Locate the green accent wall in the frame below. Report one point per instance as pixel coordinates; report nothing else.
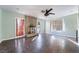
(8, 24)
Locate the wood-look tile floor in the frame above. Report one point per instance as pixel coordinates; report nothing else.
(43, 43)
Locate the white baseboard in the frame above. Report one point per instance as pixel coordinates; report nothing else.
(66, 35)
(1, 41)
(69, 36)
(11, 38)
(73, 42)
(36, 37)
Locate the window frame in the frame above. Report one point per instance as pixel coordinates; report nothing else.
(63, 26)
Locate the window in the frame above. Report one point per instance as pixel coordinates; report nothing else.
(56, 25)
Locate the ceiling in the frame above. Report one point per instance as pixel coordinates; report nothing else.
(35, 10)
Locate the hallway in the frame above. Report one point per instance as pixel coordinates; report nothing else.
(43, 43)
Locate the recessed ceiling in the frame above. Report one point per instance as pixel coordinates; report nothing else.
(35, 10)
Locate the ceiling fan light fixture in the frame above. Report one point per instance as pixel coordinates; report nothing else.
(47, 12)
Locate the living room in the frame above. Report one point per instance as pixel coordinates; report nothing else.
(19, 21)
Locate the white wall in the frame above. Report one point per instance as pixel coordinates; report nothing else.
(44, 26)
(70, 22)
(8, 24)
(78, 24)
(41, 27)
(47, 26)
(0, 24)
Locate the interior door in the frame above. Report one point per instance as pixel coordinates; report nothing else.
(20, 27)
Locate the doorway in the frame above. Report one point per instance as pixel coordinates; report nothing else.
(20, 31)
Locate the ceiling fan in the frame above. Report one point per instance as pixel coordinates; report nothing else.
(47, 12)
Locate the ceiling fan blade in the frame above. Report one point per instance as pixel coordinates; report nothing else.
(52, 13)
(50, 9)
(47, 12)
